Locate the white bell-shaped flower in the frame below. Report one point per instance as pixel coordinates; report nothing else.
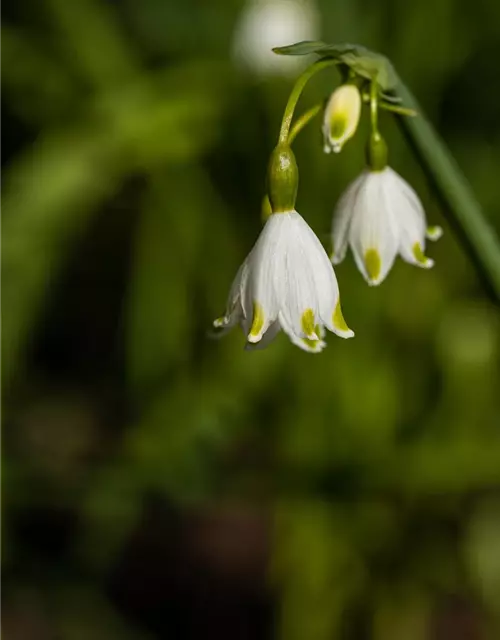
(379, 216)
(287, 281)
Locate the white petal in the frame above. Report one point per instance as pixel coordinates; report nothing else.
(411, 202)
(373, 233)
(325, 284)
(260, 302)
(410, 216)
(234, 305)
(267, 338)
(342, 217)
(312, 346)
(294, 277)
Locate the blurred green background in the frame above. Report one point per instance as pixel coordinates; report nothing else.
(158, 484)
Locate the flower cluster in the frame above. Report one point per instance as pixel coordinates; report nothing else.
(287, 280)
(379, 215)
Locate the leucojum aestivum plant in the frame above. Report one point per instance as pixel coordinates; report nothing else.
(287, 281)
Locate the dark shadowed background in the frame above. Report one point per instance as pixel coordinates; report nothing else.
(159, 484)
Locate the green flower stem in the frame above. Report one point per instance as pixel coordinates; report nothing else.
(295, 95)
(374, 109)
(465, 212)
(304, 120)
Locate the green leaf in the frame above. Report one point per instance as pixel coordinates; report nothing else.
(300, 48)
(53, 189)
(365, 63)
(476, 231)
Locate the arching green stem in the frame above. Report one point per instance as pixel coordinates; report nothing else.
(304, 120)
(461, 205)
(295, 95)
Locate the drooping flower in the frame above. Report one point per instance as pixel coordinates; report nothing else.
(286, 282)
(341, 117)
(380, 216)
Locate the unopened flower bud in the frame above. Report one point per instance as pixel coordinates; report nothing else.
(341, 117)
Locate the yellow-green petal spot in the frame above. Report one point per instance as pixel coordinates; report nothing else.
(312, 344)
(419, 254)
(308, 322)
(258, 320)
(434, 233)
(338, 126)
(338, 319)
(373, 263)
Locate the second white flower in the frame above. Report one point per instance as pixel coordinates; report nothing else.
(381, 216)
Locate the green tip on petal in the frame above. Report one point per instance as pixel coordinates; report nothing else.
(313, 344)
(338, 127)
(373, 265)
(434, 233)
(339, 323)
(420, 257)
(257, 323)
(307, 322)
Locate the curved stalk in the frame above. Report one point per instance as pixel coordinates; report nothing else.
(303, 121)
(295, 95)
(464, 211)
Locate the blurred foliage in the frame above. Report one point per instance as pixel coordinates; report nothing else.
(161, 484)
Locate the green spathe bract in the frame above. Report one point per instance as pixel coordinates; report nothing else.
(363, 62)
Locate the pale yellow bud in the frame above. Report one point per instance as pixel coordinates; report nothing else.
(341, 117)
